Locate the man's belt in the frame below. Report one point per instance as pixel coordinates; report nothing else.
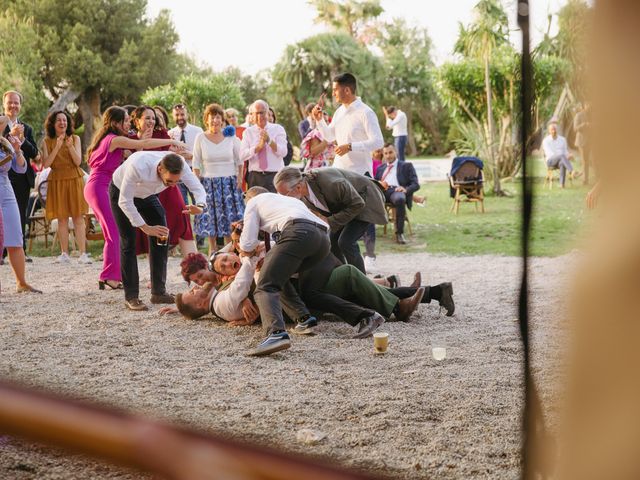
(276, 235)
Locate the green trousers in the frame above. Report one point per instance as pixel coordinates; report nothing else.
(349, 283)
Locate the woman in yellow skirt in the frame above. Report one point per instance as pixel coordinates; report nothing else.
(65, 198)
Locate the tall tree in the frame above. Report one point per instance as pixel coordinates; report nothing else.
(406, 55)
(20, 61)
(488, 31)
(352, 17)
(98, 52)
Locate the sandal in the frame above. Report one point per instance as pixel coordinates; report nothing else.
(106, 283)
(27, 289)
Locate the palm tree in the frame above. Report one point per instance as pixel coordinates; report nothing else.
(348, 16)
(487, 32)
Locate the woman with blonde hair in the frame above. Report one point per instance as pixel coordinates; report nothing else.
(216, 161)
(12, 158)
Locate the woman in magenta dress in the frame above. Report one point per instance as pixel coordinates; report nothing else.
(146, 124)
(105, 155)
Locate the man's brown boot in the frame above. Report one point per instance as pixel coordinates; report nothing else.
(164, 298)
(408, 305)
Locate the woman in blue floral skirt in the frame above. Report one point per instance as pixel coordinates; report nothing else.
(216, 161)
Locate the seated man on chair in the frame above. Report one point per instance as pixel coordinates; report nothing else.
(400, 181)
(556, 153)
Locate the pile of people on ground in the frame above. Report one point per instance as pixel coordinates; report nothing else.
(296, 230)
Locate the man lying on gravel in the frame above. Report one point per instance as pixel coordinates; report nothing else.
(346, 292)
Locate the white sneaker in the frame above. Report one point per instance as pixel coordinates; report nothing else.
(63, 258)
(84, 258)
(370, 264)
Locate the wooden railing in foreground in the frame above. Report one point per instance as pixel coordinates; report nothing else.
(172, 452)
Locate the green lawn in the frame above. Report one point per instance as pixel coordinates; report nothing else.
(559, 216)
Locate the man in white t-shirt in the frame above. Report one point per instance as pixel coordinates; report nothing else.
(186, 133)
(556, 153)
(397, 123)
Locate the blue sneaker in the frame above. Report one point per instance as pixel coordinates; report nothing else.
(275, 342)
(306, 325)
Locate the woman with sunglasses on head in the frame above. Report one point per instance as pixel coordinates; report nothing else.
(105, 154)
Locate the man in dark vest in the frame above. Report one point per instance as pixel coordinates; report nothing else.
(22, 183)
(348, 201)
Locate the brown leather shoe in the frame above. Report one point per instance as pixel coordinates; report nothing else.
(136, 305)
(417, 280)
(408, 305)
(164, 298)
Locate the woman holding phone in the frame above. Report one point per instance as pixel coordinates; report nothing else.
(65, 198)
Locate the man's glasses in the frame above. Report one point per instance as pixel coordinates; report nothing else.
(178, 106)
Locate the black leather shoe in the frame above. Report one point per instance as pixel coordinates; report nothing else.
(400, 239)
(446, 301)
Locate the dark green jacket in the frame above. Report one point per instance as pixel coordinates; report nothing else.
(347, 195)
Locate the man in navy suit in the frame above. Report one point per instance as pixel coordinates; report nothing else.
(400, 181)
(22, 183)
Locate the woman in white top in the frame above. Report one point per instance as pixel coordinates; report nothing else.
(216, 161)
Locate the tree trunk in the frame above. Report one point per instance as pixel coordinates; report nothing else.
(491, 130)
(89, 106)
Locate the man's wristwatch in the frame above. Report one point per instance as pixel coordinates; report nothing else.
(201, 205)
(350, 147)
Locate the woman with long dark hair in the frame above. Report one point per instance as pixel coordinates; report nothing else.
(61, 151)
(146, 124)
(105, 155)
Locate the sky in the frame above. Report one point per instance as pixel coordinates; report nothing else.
(253, 34)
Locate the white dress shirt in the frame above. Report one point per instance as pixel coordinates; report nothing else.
(227, 304)
(358, 125)
(138, 177)
(216, 159)
(553, 147)
(271, 212)
(250, 139)
(392, 176)
(190, 134)
(398, 124)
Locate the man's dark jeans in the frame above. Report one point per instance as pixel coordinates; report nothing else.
(400, 144)
(153, 213)
(344, 243)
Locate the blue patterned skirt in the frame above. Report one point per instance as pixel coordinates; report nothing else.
(224, 205)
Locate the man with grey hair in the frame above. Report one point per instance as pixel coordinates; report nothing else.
(348, 201)
(264, 146)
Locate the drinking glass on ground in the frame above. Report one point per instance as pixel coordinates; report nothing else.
(438, 349)
(381, 342)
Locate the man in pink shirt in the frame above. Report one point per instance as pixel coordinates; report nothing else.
(264, 146)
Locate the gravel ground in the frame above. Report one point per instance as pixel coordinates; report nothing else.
(402, 414)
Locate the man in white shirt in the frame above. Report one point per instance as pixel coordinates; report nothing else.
(302, 241)
(557, 153)
(397, 123)
(186, 133)
(264, 146)
(354, 127)
(134, 200)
